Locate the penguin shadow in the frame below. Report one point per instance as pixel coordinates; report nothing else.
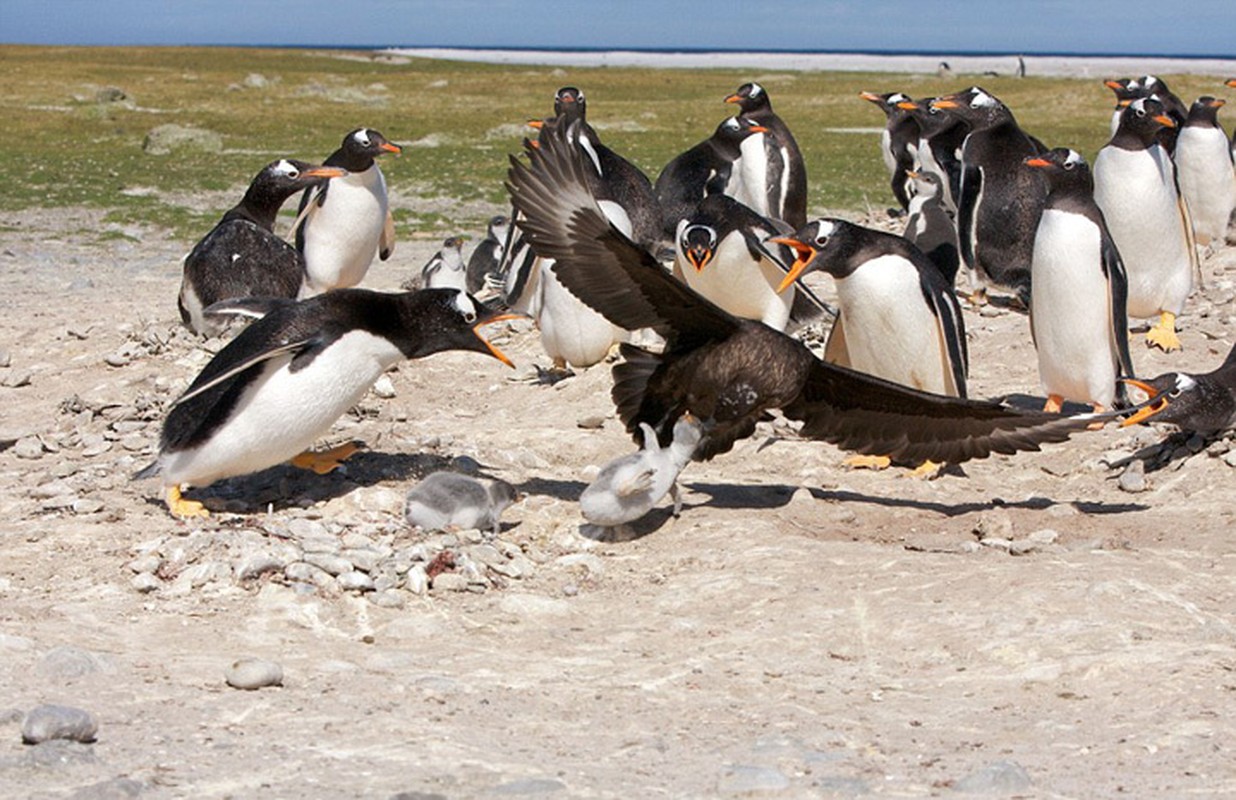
(650, 523)
(960, 509)
(1171, 449)
(742, 495)
(285, 486)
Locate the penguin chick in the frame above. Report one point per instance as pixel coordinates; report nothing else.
(449, 500)
(930, 226)
(242, 256)
(628, 487)
(485, 263)
(286, 378)
(446, 270)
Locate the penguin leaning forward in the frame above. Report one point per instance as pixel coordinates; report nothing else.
(1135, 186)
(700, 171)
(898, 319)
(282, 382)
(242, 256)
(1204, 403)
(342, 224)
(1077, 311)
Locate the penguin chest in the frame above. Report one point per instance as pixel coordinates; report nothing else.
(1207, 180)
(1070, 310)
(890, 330)
(886, 150)
(570, 330)
(283, 411)
(749, 178)
(342, 235)
(1137, 193)
(741, 285)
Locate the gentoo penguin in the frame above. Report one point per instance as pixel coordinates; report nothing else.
(898, 141)
(449, 500)
(722, 252)
(1204, 169)
(343, 223)
(283, 380)
(628, 487)
(1077, 310)
(1135, 186)
(781, 164)
(446, 269)
(939, 142)
(1129, 89)
(1203, 403)
(729, 371)
(930, 226)
(1231, 83)
(1000, 202)
(242, 256)
(703, 170)
(484, 265)
(613, 178)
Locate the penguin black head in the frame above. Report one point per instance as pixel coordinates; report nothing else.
(729, 135)
(278, 181)
(1062, 168)
(1172, 397)
(436, 320)
(823, 244)
(569, 103)
(890, 102)
(360, 147)
(975, 105)
(1204, 113)
(698, 243)
(931, 120)
(1126, 89)
(1143, 118)
(750, 97)
(497, 227)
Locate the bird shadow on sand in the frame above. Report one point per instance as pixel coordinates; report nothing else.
(1176, 446)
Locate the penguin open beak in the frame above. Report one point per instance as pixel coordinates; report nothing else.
(1217, 102)
(1154, 404)
(733, 98)
(1125, 103)
(806, 254)
(1165, 120)
(494, 351)
(699, 257)
(536, 123)
(758, 129)
(1114, 85)
(1230, 82)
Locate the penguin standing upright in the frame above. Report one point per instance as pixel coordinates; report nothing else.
(345, 222)
(286, 378)
(1077, 310)
(723, 253)
(1135, 186)
(1231, 84)
(939, 142)
(242, 256)
(1204, 168)
(1000, 202)
(446, 269)
(784, 173)
(485, 263)
(898, 141)
(930, 226)
(1129, 89)
(700, 171)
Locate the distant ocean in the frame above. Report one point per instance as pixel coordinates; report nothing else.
(1059, 64)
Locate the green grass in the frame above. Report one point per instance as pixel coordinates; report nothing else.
(64, 148)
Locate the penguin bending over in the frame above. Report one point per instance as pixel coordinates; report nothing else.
(345, 222)
(242, 256)
(1204, 168)
(289, 375)
(772, 170)
(1204, 403)
(1135, 186)
(703, 170)
(1077, 310)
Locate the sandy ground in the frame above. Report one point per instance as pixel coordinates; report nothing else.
(801, 631)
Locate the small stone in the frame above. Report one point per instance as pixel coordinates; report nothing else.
(466, 465)
(591, 423)
(58, 722)
(1044, 536)
(416, 581)
(145, 563)
(356, 581)
(114, 789)
(332, 564)
(116, 360)
(87, 505)
(145, 583)
(390, 598)
(383, 388)
(450, 582)
(45, 491)
(257, 565)
(1133, 479)
(362, 558)
(1230, 458)
(749, 780)
(94, 444)
(999, 778)
(253, 673)
(68, 662)
(997, 542)
(17, 378)
(994, 524)
(1218, 448)
(302, 572)
(1022, 547)
(28, 447)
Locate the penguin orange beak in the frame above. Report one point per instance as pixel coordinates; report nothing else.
(1165, 120)
(1154, 405)
(806, 254)
(912, 174)
(907, 105)
(870, 97)
(495, 352)
(699, 257)
(1113, 85)
(390, 148)
(733, 98)
(1217, 102)
(945, 102)
(1124, 103)
(1035, 161)
(1230, 82)
(324, 172)
(758, 129)
(536, 123)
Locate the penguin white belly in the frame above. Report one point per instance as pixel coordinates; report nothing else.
(731, 281)
(1207, 180)
(1070, 311)
(886, 150)
(927, 162)
(1138, 198)
(890, 329)
(283, 412)
(570, 330)
(627, 489)
(341, 237)
(748, 181)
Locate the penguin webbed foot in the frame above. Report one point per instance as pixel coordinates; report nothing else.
(326, 461)
(182, 508)
(867, 462)
(1163, 334)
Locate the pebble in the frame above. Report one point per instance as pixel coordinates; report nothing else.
(307, 573)
(994, 524)
(17, 378)
(87, 505)
(1230, 458)
(416, 581)
(450, 582)
(28, 447)
(998, 778)
(1133, 479)
(591, 423)
(998, 542)
(253, 673)
(49, 722)
(68, 662)
(93, 444)
(145, 563)
(334, 565)
(114, 789)
(384, 388)
(50, 489)
(1022, 547)
(145, 583)
(740, 779)
(6, 358)
(1044, 536)
(116, 360)
(355, 580)
(258, 564)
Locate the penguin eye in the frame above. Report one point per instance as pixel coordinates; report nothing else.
(1141, 112)
(469, 316)
(293, 174)
(1068, 165)
(821, 240)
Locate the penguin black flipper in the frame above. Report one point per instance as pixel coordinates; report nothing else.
(311, 200)
(1118, 298)
(199, 387)
(942, 301)
(859, 412)
(252, 307)
(971, 186)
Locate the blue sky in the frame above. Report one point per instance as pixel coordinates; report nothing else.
(1137, 27)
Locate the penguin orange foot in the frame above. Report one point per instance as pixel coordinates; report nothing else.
(1163, 333)
(868, 462)
(326, 460)
(182, 508)
(927, 471)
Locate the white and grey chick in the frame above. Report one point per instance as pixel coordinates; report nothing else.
(450, 500)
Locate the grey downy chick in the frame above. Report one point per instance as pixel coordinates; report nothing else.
(450, 500)
(628, 487)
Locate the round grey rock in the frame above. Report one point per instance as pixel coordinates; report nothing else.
(253, 673)
(49, 722)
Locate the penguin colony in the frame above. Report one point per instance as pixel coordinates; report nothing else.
(692, 280)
